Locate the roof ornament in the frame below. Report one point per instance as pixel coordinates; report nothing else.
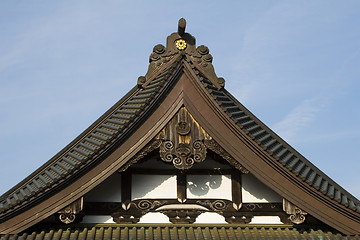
(181, 26)
(183, 43)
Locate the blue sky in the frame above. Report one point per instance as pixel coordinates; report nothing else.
(294, 64)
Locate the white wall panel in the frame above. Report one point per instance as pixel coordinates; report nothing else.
(153, 186)
(210, 217)
(255, 191)
(154, 218)
(266, 220)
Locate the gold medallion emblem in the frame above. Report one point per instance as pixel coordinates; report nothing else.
(180, 44)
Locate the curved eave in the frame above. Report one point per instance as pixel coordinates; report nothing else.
(51, 161)
(163, 107)
(91, 146)
(234, 131)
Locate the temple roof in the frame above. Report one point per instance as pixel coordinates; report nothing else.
(167, 65)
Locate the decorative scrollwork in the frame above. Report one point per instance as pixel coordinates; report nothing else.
(169, 145)
(147, 205)
(182, 141)
(180, 212)
(203, 50)
(252, 206)
(183, 128)
(131, 212)
(297, 215)
(159, 49)
(217, 205)
(68, 214)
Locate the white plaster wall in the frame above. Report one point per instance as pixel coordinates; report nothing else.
(255, 191)
(209, 186)
(153, 186)
(154, 217)
(210, 217)
(107, 191)
(266, 220)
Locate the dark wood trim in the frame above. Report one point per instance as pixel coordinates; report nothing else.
(131, 212)
(181, 186)
(236, 191)
(126, 182)
(223, 207)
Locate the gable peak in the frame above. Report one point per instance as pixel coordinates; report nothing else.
(181, 43)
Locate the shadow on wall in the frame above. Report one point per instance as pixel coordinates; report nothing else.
(255, 191)
(199, 185)
(153, 186)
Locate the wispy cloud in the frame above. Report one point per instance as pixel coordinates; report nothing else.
(298, 118)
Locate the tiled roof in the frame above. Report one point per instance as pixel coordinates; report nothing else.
(83, 152)
(280, 150)
(277, 147)
(219, 232)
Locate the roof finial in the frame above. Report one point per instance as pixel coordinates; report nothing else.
(181, 27)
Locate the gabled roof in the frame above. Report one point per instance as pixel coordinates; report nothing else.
(181, 74)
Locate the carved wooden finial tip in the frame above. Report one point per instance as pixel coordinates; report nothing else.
(182, 26)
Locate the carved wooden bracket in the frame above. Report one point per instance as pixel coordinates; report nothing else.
(297, 215)
(68, 214)
(182, 141)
